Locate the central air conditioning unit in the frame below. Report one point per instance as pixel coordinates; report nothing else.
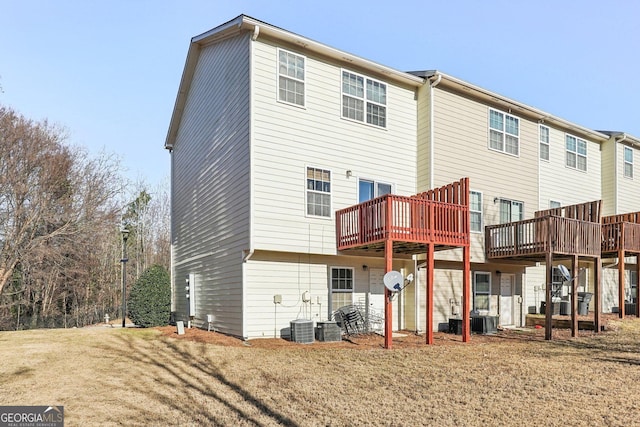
(328, 331)
(302, 331)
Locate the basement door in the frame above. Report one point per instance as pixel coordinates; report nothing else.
(375, 308)
(507, 283)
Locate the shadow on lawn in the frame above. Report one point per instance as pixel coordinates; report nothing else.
(183, 372)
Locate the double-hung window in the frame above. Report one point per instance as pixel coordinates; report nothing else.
(475, 211)
(544, 143)
(368, 189)
(341, 287)
(576, 155)
(481, 291)
(504, 132)
(318, 192)
(364, 99)
(291, 77)
(628, 162)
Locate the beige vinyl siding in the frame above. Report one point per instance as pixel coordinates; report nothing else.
(608, 166)
(461, 148)
(210, 185)
(287, 139)
(566, 185)
(270, 273)
(424, 135)
(628, 188)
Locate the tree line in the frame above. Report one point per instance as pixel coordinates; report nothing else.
(61, 212)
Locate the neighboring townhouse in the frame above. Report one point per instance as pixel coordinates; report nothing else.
(272, 133)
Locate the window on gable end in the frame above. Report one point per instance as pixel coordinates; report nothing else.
(291, 78)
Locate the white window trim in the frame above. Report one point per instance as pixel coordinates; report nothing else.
(625, 162)
(340, 291)
(512, 201)
(481, 211)
(306, 190)
(541, 142)
(504, 151)
(586, 156)
(365, 100)
(475, 273)
(304, 82)
(375, 183)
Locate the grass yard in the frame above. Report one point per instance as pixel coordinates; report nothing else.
(110, 376)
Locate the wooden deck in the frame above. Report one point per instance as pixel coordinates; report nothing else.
(433, 220)
(532, 239)
(621, 233)
(439, 217)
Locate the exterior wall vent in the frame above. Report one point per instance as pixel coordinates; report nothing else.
(302, 331)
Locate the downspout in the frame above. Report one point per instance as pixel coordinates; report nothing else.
(615, 169)
(432, 85)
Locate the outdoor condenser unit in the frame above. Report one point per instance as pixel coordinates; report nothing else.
(302, 331)
(328, 331)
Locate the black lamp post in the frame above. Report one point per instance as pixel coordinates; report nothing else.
(125, 235)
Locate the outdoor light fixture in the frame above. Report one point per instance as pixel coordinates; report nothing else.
(125, 236)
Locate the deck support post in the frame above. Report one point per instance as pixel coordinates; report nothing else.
(466, 293)
(548, 312)
(574, 295)
(429, 293)
(388, 308)
(621, 280)
(597, 265)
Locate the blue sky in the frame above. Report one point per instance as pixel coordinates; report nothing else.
(109, 71)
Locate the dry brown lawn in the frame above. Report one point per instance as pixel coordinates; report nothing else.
(110, 376)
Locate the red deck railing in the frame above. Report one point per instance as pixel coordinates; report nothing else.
(408, 219)
(533, 238)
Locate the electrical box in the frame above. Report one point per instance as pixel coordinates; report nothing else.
(277, 299)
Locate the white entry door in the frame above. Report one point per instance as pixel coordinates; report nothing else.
(375, 309)
(507, 282)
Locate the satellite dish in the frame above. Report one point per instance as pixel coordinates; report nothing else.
(393, 281)
(565, 272)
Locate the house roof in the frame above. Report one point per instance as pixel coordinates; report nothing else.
(259, 28)
(510, 104)
(622, 137)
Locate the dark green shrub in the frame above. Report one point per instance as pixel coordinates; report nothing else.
(150, 298)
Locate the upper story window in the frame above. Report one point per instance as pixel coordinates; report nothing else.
(291, 77)
(504, 132)
(576, 153)
(475, 210)
(368, 189)
(318, 192)
(544, 143)
(628, 162)
(364, 99)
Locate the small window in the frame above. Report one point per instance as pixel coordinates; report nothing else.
(364, 99)
(481, 291)
(544, 143)
(291, 78)
(628, 162)
(368, 189)
(504, 132)
(475, 211)
(318, 192)
(341, 287)
(554, 204)
(576, 154)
